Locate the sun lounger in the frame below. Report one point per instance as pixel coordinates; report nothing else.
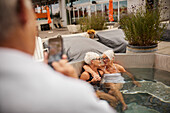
(113, 39)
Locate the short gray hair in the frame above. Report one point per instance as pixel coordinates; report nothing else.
(90, 56)
(8, 17)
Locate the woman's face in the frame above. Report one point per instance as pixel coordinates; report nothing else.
(96, 61)
(106, 60)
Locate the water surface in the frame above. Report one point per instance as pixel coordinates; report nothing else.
(152, 97)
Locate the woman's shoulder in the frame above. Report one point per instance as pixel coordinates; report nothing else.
(85, 65)
(117, 65)
(120, 68)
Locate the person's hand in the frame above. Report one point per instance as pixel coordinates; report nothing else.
(96, 77)
(46, 57)
(62, 66)
(137, 83)
(65, 68)
(93, 80)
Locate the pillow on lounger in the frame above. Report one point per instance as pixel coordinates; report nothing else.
(75, 47)
(113, 39)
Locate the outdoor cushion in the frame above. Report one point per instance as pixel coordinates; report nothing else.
(113, 39)
(75, 47)
(166, 35)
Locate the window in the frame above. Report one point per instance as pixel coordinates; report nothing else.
(92, 8)
(99, 8)
(115, 11)
(123, 7)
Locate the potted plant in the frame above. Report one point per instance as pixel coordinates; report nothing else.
(96, 22)
(91, 33)
(142, 29)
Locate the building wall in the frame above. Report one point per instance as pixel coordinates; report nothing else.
(166, 10)
(134, 3)
(63, 12)
(165, 13)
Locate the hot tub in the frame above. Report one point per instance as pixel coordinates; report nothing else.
(153, 72)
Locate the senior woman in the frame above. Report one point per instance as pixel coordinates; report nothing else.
(91, 72)
(112, 78)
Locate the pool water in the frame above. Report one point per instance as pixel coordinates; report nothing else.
(152, 97)
(149, 74)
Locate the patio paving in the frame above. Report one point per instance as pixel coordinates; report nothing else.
(54, 32)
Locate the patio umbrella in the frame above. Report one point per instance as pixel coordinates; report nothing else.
(111, 11)
(48, 15)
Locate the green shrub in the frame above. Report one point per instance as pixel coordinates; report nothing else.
(96, 22)
(143, 27)
(84, 23)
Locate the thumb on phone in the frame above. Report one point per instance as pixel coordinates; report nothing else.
(46, 57)
(64, 56)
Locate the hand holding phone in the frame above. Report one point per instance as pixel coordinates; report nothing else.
(55, 49)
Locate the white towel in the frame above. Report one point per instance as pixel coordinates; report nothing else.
(113, 78)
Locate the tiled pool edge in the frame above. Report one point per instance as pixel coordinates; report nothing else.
(141, 60)
(162, 62)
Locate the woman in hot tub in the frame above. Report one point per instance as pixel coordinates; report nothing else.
(91, 71)
(112, 78)
(93, 74)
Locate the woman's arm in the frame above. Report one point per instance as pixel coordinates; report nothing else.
(103, 70)
(122, 70)
(89, 70)
(93, 73)
(134, 81)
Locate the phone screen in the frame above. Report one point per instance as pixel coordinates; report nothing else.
(55, 49)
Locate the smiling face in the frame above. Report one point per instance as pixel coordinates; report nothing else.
(96, 61)
(106, 60)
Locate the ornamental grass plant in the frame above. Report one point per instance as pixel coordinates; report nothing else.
(143, 26)
(96, 22)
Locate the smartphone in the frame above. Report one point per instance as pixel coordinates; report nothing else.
(55, 49)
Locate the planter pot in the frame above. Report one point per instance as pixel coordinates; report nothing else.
(141, 49)
(91, 35)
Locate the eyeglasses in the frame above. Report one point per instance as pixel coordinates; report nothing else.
(106, 58)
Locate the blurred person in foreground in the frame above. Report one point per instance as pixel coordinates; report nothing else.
(30, 87)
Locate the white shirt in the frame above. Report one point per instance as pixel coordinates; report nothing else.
(30, 87)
